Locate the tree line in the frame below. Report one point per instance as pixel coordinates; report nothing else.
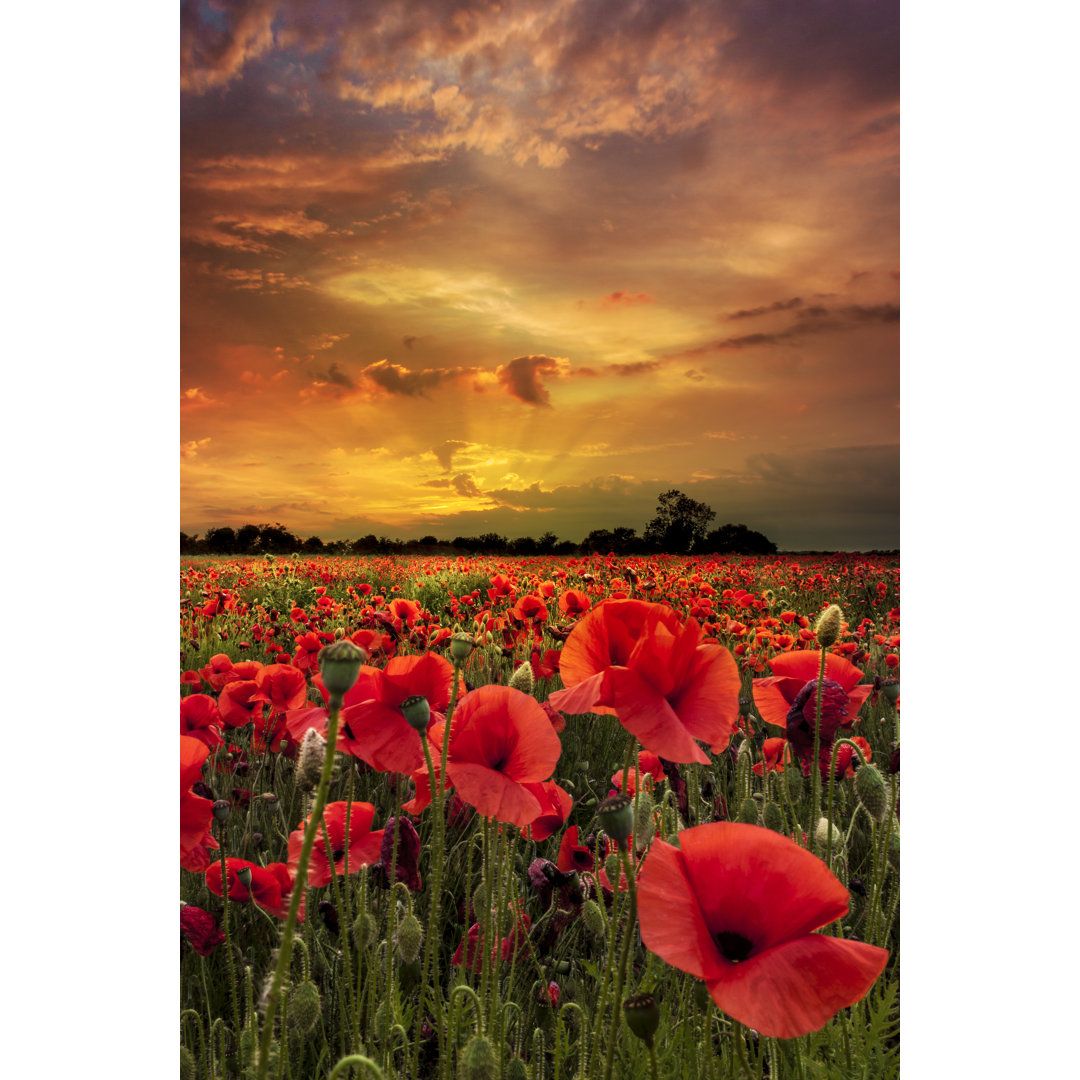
(680, 527)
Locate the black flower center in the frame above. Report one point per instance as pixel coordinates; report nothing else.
(733, 947)
(339, 854)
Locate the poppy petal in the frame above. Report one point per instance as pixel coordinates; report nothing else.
(382, 737)
(798, 986)
(773, 697)
(672, 925)
(805, 665)
(582, 698)
(492, 793)
(754, 882)
(647, 714)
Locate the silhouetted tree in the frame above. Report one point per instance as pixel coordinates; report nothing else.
(220, 541)
(247, 539)
(313, 544)
(680, 523)
(546, 544)
(736, 540)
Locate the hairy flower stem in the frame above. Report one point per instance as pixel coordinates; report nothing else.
(815, 768)
(430, 963)
(299, 884)
(832, 783)
(343, 918)
(228, 936)
(620, 975)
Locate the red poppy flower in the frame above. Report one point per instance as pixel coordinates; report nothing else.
(239, 703)
(572, 855)
(845, 759)
(372, 726)
(190, 678)
(573, 603)
(736, 905)
(200, 719)
(500, 740)
(200, 929)
(638, 661)
(282, 687)
(648, 766)
(470, 952)
(365, 847)
(196, 812)
(218, 671)
(555, 804)
(271, 885)
(530, 609)
(776, 754)
(788, 698)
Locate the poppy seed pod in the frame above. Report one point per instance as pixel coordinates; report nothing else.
(221, 810)
(891, 689)
(871, 793)
(461, 646)
(616, 814)
(417, 711)
(243, 875)
(642, 1016)
(523, 678)
(339, 666)
(478, 1060)
(827, 628)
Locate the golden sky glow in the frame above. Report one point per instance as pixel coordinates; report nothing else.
(454, 268)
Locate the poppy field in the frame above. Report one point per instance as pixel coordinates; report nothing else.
(545, 817)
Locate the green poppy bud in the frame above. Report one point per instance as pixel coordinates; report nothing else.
(748, 812)
(594, 918)
(339, 667)
(187, 1064)
(478, 1061)
(305, 1007)
(410, 937)
(417, 711)
(871, 792)
(523, 678)
(773, 818)
(642, 1016)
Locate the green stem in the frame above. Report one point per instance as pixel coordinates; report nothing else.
(620, 974)
(298, 889)
(228, 939)
(815, 768)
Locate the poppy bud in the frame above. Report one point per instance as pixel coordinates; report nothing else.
(243, 875)
(827, 628)
(748, 812)
(644, 826)
(773, 818)
(364, 930)
(221, 810)
(870, 791)
(417, 711)
(523, 678)
(594, 918)
(339, 633)
(305, 1007)
(516, 1069)
(187, 1064)
(642, 1016)
(410, 937)
(616, 814)
(478, 1060)
(339, 666)
(461, 645)
(309, 764)
(821, 836)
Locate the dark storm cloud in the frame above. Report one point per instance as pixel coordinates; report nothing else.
(335, 376)
(445, 452)
(396, 379)
(638, 367)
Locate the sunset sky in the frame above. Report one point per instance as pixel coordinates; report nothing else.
(453, 268)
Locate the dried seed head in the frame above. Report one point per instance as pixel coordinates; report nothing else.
(827, 628)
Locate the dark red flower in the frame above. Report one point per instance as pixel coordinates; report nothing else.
(200, 929)
(408, 852)
(788, 699)
(638, 661)
(736, 905)
(572, 855)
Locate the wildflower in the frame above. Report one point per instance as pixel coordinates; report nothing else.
(269, 886)
(200, 929)
(736, 905)
(365, 847)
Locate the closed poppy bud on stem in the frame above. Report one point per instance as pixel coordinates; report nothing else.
(871, 793)
(339, 666)
(642, 1016)
(827, 628)
(616, 814)
(417, 711)
(523, 679)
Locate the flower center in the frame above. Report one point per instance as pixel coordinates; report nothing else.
(733, 947)
(339, 854)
